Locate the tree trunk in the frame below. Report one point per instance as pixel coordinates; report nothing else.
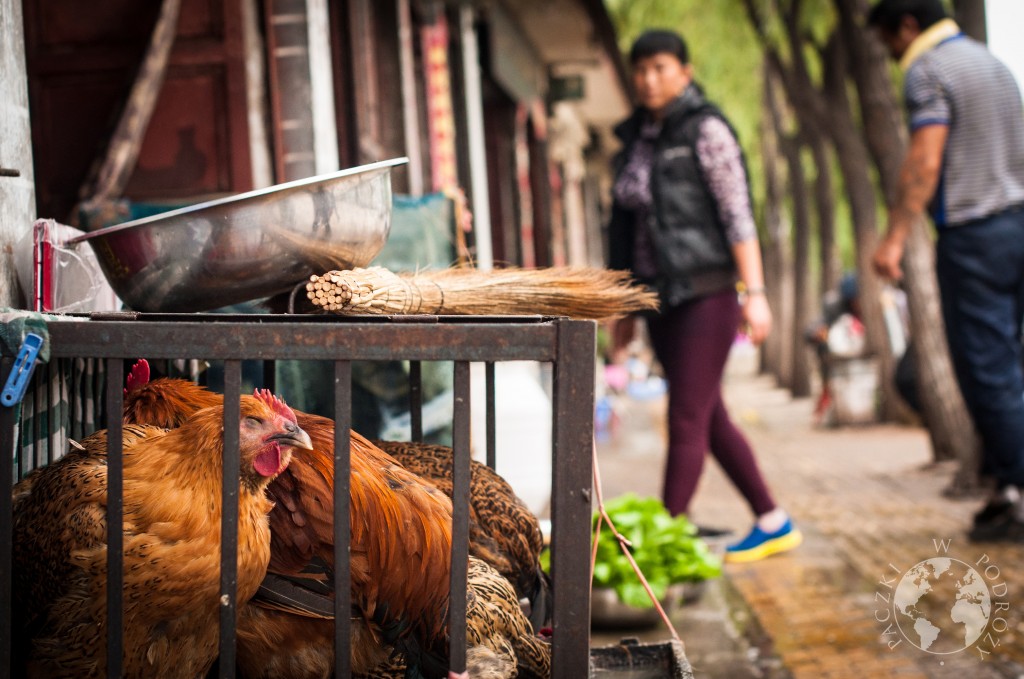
(800, 376)
(816, 111)
(825, 204)
(944, 412)
(777, 354)
(855, 166)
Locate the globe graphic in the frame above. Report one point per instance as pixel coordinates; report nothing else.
(942, 605)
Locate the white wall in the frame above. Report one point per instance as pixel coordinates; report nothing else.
(1004, 20)
(17, 195)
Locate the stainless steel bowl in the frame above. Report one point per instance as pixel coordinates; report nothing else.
(608, 612)
(248, 246)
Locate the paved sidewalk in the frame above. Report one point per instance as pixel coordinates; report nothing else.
(871, 508)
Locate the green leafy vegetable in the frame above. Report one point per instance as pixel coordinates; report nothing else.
(666, 548)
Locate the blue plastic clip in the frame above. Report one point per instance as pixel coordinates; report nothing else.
(24, 364)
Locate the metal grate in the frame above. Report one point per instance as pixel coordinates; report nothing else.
(568, 345)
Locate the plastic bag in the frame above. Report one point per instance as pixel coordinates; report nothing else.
(846, 337)
(60, 278)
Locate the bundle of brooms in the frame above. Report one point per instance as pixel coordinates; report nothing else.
(576, 292)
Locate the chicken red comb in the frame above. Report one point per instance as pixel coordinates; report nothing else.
(138, 375)
(274, 403)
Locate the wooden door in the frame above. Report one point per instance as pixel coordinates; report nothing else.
(81, 61)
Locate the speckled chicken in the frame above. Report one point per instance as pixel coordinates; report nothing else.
(500, 641)
(502, 530)
(172, 508)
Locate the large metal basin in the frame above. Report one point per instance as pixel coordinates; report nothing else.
(250, 245)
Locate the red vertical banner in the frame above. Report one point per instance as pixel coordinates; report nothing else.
(440, 117)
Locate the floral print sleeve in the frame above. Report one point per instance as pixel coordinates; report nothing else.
(720, 159)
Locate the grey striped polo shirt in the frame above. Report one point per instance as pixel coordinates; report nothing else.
(960, 84)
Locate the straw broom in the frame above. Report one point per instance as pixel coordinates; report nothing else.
(577, 292)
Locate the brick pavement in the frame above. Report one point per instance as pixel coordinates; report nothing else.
(870, 505)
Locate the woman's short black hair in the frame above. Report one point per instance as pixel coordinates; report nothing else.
(888, 14)
(659, 41)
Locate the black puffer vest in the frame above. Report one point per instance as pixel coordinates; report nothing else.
(693, 255)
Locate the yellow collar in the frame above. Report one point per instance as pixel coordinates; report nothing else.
(936, 33)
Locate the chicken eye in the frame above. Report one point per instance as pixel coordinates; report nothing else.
(253, 421)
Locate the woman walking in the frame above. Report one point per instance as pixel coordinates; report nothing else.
(682, 223)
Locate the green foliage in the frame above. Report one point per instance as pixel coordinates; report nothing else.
(667, 550)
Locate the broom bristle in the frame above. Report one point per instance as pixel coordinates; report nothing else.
(576, 292)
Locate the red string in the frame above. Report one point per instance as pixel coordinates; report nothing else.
(624, 543)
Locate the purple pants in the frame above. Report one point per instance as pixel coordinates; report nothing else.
(692, 341)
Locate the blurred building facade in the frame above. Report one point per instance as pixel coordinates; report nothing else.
(509, 103)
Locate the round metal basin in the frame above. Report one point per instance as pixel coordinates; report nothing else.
(608, 612)
(248, 246)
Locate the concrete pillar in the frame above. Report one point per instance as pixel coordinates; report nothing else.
(256, 95)
(475, 138)
(410, 99)
(321, 78)
(569, 138)
(17, 193)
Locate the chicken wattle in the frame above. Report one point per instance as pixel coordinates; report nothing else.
(268, 462)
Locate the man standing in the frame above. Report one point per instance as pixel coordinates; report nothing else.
(965, 165)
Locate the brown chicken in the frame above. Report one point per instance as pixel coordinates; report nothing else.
(400, 549)
(172, 507)
(500, 640)
(165, 402)
(503, 531)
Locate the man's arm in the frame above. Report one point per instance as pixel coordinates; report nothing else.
(918, 179)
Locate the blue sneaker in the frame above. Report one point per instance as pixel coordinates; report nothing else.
(758, 544)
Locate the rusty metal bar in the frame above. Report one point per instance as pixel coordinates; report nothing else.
(52, 370)
(6, 523)
(115, 520)
(28, 456)
(231, 478)
(308, 341)
(416, 400)
(572, 433)
(460, 520)
(270, 375)
(492, 434)
(46, 432)
(76, 389)
(566, 344)
(342, 530)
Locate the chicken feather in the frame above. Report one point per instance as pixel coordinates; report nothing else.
(502, 530)
(171, 530)
(275, 644)
(400, 540)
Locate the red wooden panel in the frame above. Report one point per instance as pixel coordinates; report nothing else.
(185, 151)
(201, 18)
(81, 59)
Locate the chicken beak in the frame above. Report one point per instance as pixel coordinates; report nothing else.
(294, 436)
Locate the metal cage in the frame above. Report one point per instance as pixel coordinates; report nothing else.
(566, 344)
